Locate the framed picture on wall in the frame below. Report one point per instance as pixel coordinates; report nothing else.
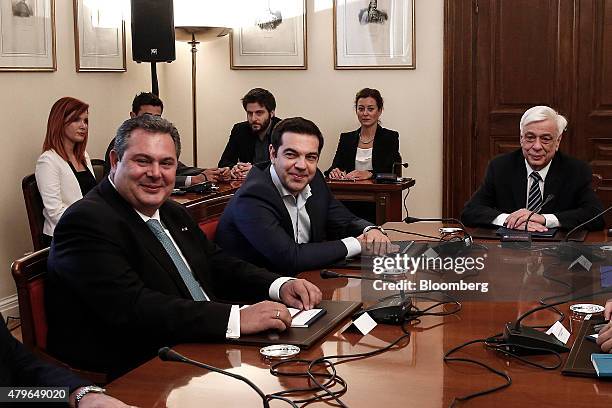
(27, 35)
(273, 36)
(99, 36)
(374, 34)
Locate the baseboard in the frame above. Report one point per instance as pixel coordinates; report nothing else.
(9, 306)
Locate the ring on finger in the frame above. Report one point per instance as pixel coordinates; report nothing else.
(277, 314)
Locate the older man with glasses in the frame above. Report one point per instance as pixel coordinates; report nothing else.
(519, 182)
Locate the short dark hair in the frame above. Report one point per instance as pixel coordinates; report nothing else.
(297, 125)
(148, 123)
(260, 96)
(146, 98)
(370, 93)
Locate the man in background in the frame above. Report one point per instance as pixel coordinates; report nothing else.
(149, 103)
(517, 183)
(249, 141)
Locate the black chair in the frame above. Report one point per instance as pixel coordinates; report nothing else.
(98, 168)
(34, 209)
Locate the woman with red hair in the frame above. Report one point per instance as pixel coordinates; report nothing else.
(63, 171)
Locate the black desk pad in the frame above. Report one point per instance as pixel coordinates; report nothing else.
(337, 310)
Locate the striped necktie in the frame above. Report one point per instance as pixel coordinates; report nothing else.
(535, 195)
(190, 281)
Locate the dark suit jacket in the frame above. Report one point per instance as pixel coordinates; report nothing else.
(385, 151)
(114, 296)
(20, 368)
(182, 171)
(241, 144)
(504, 190)
(257, 227)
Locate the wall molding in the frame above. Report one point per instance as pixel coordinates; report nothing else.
(9, 306)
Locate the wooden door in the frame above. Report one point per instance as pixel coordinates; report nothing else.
(593, 88)
(524, 53)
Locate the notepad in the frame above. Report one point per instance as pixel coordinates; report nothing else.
(602, 364)
(304, 318)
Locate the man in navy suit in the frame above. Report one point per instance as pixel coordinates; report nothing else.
(519, 182)
(130, 271)
(285, 218)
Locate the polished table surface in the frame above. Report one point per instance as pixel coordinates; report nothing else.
(386, 197)
(411, 375)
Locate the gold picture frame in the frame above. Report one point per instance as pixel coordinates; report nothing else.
(99, 37)
(374, 34)
(27, 35)
(274, 38)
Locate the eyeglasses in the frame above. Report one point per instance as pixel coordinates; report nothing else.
(545, 140)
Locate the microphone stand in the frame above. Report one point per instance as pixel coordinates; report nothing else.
(567, 250)
(447, 247)
(389, 310)
(167, 354)
(518, 335)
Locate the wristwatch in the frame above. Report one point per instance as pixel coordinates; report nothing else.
(86, 390)
(371, 227)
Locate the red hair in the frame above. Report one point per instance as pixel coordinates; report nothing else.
(63, 112)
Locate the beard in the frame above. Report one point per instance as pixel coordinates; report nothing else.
(263, 127)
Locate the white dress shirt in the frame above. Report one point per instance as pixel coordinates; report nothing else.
(363, 159)
(233, 324)
(296, 207)
(551, 220)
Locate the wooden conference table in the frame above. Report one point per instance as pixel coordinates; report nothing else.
(387, 197)
(413, 375)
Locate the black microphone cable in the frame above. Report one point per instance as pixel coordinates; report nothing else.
(167, 354)
(497, 343)
(330, 374)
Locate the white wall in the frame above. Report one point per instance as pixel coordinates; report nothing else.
(413, 98)
(413, 106)
(25, 100)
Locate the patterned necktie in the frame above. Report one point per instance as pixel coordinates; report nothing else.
(192, 284)
(535, 195)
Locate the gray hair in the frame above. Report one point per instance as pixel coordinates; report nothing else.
(539, 113)
(148, 123)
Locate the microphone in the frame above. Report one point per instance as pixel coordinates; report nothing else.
(586, 222)
(450, 247)
(537, 210)
(567, 250)
(396, 164)
(517, 335)
(167, 354)
(390, 310)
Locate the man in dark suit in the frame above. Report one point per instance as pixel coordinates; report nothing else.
(517, 183)
(149, 103)
(249, 141)
(130, 271)
(284, 217)
(20, 368)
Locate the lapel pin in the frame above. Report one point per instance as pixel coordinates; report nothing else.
(184, 229)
